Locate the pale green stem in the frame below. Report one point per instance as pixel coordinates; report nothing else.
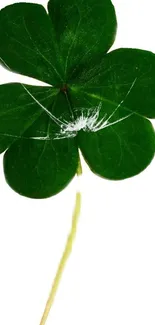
(66, 254)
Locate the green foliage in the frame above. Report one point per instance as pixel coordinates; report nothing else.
(96, 102)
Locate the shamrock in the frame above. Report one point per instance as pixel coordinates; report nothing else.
(94, 101)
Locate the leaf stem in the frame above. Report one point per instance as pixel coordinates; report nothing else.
(66, 253)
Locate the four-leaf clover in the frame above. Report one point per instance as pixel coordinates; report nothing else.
(94, 101)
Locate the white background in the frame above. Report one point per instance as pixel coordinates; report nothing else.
(110, 277)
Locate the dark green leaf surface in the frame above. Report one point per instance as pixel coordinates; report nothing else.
(18, 110)
(100, 102)
(85, 29)
(119, 152)
(121, 146)
(126, 75)
(42, 166)
(27, 42)
(43, 48)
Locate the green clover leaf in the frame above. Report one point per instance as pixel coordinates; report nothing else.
(96, 102)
